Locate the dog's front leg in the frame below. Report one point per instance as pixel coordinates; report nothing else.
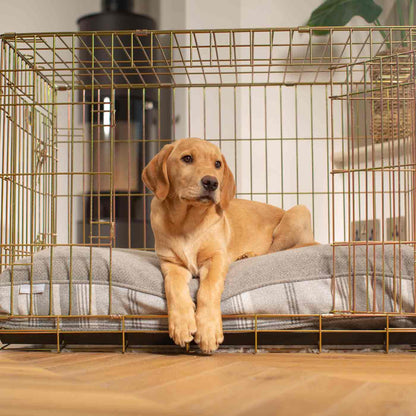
(208, 313)
(181, 308)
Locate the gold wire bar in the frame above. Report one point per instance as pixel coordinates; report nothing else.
(33, 180)
(13, 217)
(129, 168)
(250, 118)
(281, 146)
(123, 330)
(376, 243)
(58, 344)
(112, 182)
(180, 85)
(320, 334)
(402, 330)
(326, 316)
(265, 147)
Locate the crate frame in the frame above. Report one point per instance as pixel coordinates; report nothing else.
(37, 70)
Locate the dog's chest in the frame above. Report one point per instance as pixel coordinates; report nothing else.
(188, 253)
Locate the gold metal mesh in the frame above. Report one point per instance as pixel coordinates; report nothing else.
(323, 121)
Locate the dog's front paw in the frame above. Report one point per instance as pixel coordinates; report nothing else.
(182, 324)
(209, 333)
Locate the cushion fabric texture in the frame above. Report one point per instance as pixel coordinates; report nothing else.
(298, 281)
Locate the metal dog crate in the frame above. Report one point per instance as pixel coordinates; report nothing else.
(326, 121)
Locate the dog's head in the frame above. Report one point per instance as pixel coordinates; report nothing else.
(193, 170)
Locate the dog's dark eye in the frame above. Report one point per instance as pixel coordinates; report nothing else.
(217, 164)
(187, 158)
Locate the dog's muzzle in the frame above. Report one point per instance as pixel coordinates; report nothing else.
(209, 185)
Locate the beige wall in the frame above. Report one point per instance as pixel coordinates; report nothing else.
(43, 15)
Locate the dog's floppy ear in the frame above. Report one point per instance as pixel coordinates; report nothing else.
(227, 186)
(155, 174)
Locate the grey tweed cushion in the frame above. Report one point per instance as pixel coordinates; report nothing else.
(290, 282)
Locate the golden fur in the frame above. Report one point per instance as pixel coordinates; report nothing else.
(200, 231)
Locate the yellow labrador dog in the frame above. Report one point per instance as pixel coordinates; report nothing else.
(200, 229)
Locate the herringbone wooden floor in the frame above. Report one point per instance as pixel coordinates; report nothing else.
(86, 383)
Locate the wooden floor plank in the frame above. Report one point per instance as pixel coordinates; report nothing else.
(93, 363)
(154, 377)
(244, 394)
(315, 394)
(74, 401)
(121, 368)
(87, 383)
(70, 360)
(377, 399)
(200, 385)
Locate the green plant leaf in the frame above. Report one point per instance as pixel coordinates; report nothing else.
(340, 12)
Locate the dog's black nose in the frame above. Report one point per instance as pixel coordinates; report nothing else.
(210, 183)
